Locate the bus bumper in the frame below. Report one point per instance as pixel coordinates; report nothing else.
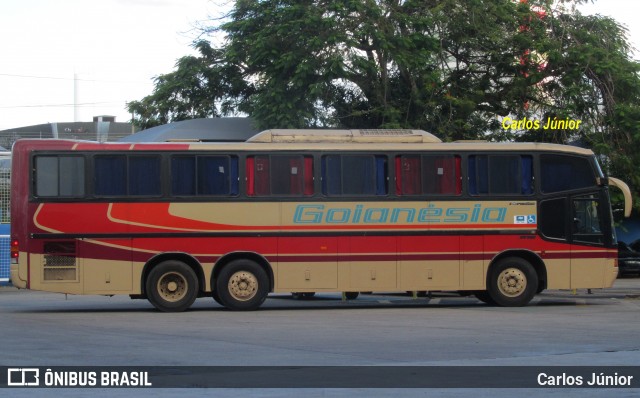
(15, 277)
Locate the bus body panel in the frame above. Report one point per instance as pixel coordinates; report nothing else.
(103, 246)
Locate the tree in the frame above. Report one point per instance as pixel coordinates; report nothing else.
(201, 86)
(453, 68)
(353, 63)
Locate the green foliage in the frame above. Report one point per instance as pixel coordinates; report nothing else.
(454, 68)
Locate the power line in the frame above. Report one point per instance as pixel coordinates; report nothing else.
(68, 78)
(58, 105)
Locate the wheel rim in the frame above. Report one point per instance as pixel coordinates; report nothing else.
(512, 282)
(243, 286)
(172, 286)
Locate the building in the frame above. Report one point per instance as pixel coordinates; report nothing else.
(102, 128)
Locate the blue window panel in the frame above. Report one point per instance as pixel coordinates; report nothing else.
(381, 175)
(110, 178)
(204, 175)
(358, 175)
(478, 175)
(233, 176)
(354, 175)
(213, 175)
(562, 173)
(500, 174)
(504, 175)
(331, 175)
(183, 176)
(144, 176)
(527, 175)
(471, 169)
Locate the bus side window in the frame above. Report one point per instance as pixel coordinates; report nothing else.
(562, 173)
(287, 175)
(587, 223)
(144, 176)
(354, 175)
(552, 218)
(59, 176)
(262, 172)
(428, 174)
(408, 175)
(110, 175)
(183, 175)
(204, 175)
(527, 175)
(122, 175)
(500, 174)
(216, 175)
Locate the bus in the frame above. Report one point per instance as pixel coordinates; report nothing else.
(305, 211)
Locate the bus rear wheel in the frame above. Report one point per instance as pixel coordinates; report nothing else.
(172, 286)
(512, 283)
(242, 285)
(216, 297)
(484, 296)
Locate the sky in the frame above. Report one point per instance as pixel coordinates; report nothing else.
(109, 49)
(102, 54)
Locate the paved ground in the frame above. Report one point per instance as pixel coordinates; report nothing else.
(558, 328)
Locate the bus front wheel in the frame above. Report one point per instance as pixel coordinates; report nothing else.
(172, 286)
(242, 285)
(512, 283)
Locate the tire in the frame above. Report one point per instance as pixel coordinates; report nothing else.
(484, 296)
(172, 286)
(512, 282)
(216, 297)
(351, 295)
(242, 285)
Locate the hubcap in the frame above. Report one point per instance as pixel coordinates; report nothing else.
(243, 286)
(512, 282)
(172, 286)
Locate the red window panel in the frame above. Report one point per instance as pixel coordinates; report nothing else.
(262, 181)
(408, 175)
(308, 176)
(428, 174)
(458, 175)
(295, 176)
(445, 170)
(251, 176)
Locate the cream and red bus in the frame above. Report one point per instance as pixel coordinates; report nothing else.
(309, 211)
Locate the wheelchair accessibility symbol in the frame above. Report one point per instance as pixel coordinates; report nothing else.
(525, 219)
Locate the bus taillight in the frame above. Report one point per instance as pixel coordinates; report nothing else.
(15, 250)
